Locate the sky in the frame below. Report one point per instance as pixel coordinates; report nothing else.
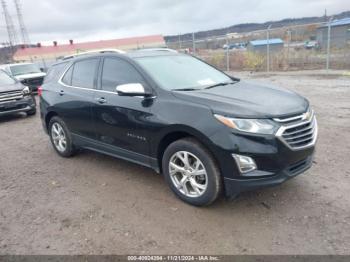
(85, 20)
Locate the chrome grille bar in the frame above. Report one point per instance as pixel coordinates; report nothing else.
(301, 130)
(290, 119)
(300, 141)
(302, 135)
(9, 96)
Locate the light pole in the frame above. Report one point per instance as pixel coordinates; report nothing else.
(268, 49)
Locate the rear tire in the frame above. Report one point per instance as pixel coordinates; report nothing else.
(191, 172)
(60, 137)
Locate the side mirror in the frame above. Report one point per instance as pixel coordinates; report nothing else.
(135, 89)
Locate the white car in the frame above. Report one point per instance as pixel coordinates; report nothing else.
(28, 74)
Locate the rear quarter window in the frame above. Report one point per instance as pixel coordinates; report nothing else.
(84, 73)
(67, 78)
(55, 72)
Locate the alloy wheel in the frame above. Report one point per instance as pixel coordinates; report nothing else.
(59, 137)
(188, 174)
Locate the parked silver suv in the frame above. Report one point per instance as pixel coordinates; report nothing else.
(28, 74)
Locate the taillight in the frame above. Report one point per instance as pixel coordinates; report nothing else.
(40, 91)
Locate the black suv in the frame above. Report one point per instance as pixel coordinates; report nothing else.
(208, 133)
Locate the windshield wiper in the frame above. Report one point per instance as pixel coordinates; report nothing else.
(219, 84)
(185, 89)
(207, 87)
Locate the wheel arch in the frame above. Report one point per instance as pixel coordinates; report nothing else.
(48, 117)
(180, 132)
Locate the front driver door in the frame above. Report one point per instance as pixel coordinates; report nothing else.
(120, 121)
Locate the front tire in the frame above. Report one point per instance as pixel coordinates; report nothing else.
(191, 172)
(60, 137)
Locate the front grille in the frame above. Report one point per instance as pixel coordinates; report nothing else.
(33, 81)
(10, 96)
(299, 135)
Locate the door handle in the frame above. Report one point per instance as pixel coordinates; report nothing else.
(101, 100)
(61, 93)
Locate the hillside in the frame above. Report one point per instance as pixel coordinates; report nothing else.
(241, 28)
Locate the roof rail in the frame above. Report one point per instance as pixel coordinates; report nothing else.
(101, 51)
(158, 49)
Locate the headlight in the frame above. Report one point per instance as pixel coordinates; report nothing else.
(256, 126)
(26, 91)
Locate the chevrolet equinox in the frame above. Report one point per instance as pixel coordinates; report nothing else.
(208, 133)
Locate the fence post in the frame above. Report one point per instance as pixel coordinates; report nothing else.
(289, 32)
(193, 44)
(227, 55)
(268, 49)
(180, 44)
(328, 44)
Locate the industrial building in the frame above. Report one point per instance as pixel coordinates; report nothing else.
(260, 46)
(339, 34)
(48, 54)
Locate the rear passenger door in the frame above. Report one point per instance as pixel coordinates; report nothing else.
(76, 96)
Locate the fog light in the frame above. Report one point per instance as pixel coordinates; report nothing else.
(245, 164)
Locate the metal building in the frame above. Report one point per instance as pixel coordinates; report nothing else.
(55, 51)
(340, 34)
(260, 46)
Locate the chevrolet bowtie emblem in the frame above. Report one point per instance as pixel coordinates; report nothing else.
(306, 116)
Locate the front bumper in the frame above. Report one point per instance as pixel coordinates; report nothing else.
(234, 187)
(25, 104)
(276, 162)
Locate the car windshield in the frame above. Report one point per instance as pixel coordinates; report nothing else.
(181, 72)
(24, 69)
(5, 79)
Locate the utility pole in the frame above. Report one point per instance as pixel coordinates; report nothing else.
(329, 43)
(268, 49)
(22, 27)
(11, 32)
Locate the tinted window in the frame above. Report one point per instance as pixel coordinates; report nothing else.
(84, 73)
(67, 79)
(117, 72)
(54, 72)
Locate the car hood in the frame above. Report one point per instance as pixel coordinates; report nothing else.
(29, 76)
(13, 87)
(247, 99)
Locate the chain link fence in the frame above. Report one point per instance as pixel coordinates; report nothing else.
(319, 46)
(301, 47)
